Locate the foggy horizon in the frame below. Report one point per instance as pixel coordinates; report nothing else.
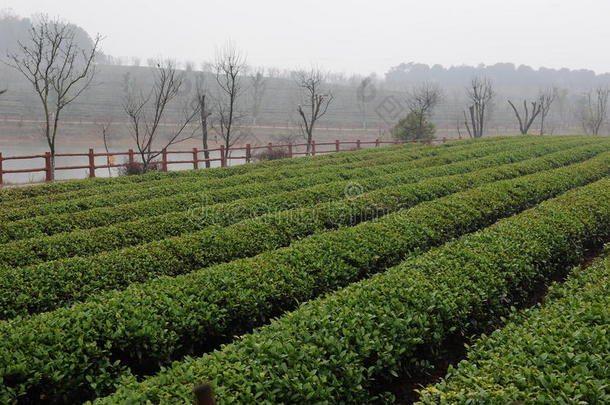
(347, 37)
(435, 51)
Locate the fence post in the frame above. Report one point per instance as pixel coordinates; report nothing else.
(164, 160)
(47, 166)
(131, 157)
(1, 172)
(248, 153)
(313, 148)
(195, 159)
(223, 161)
(290, 149)
(377, 142)
(337, 146)
(358, 144)
(91, 163)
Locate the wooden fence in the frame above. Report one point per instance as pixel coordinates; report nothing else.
(244, 153)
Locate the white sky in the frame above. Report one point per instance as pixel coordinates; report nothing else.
(354, 36)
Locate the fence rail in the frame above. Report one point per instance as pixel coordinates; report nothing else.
(224, 155)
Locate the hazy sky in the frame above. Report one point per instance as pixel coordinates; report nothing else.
(349, 36)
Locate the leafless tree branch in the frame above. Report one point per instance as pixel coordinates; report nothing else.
(480, 94)
(363, 96)
(146, 113)
(258, 85)
(58, 70)
(315, 104)
(204, 114)
(229, 67)
(594, 110)
(422, 99)
(527, 118)
(104, 127)
(547, 98)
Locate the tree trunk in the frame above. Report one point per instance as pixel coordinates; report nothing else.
(204, 130)
(52, 173)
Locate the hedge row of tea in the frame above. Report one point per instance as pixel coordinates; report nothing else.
(97, 240)
(85, 349)
(200, 195)
(123, 193)
(47, 286)
(18, 195)
(344, 347)
(73, 202)
(557, 353)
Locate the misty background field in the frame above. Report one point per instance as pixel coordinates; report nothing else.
(268, 105)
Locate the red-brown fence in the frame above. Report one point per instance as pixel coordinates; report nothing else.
(224, 156)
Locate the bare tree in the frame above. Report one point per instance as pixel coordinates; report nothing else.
(547, 98)
(480, 94)
(147, 111)
(316, 101)
(258, 85)
(104, 127)
(422, 99)
(594, 110)
(229, 67)
(205, 112)
(458, 124)
(364, 94)
(527, 119)
(58, 69)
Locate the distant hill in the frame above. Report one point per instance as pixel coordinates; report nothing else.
(506, 76)
(15, 29)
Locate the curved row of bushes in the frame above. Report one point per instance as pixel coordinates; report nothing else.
(97, 240)
(556, 353)
(29, 196)
(47, 286)
(87, 348)
(346, 347)
(73, 202)
(124, 193)
(18, 194)
(57, 223)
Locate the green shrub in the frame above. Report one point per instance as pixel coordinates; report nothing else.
(97, 240)
(74, 191)
(15, 195)
(85, 349)
(57, 223)
(271, 154)
(20, 197)
(555, 353)
(175, 186)
(54, 284)
(344, 348)
(415, 126)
